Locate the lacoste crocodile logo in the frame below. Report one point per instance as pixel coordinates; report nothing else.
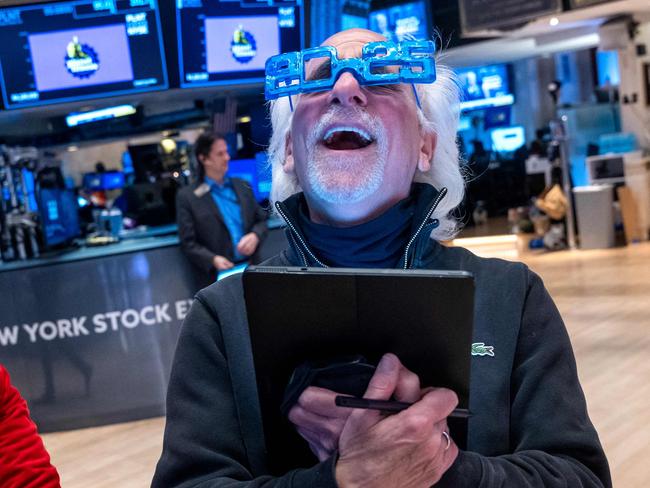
(480, 349)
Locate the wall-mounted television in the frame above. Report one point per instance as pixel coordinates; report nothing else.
(401, 21)
(226, 42)
(487, 86)
(66, 51)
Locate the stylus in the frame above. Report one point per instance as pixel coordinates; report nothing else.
(388, 406)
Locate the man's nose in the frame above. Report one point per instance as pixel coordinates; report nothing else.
(347, 91)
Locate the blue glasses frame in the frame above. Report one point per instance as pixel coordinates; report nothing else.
(285, 73)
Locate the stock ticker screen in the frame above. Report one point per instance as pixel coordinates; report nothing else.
(228, 42)
(66, 51)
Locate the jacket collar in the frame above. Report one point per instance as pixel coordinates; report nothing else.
(427, 199)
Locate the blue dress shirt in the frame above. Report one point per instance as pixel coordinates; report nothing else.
(225, 198)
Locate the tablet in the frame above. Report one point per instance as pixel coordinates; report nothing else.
(316, 314)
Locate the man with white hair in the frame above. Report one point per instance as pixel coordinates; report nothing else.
(366, 175)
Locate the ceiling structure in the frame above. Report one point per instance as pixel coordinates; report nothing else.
(565, 31)
(573, 30)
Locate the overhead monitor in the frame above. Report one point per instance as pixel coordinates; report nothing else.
(228, 42)
(79, 118)
(487, 86)
(508, 139)
(402, 21)
(65, 51)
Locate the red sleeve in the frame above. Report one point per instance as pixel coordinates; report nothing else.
(24, 462)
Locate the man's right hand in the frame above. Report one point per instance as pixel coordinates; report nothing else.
(220, 263)
(407, 449)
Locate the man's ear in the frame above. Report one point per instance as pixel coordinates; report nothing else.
(428, 143)
(288, 165)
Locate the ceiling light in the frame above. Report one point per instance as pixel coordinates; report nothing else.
(554, 21)
(168, 145)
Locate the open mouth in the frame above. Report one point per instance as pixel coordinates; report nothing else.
(346, 138)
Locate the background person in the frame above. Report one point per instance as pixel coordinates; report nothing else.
(24, 462)
(219, 221)
(358, 172)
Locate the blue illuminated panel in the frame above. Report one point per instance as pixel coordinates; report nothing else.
(508, 139)
(256, 171)
(66, 51)
(228, 42)
(403, 22)
(75, 119)
(487, 86)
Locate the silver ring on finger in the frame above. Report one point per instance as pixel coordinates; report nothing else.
(447, 438)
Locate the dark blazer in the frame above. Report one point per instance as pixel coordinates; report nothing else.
(201, 228)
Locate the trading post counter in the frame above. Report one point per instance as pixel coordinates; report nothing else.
(88, 337)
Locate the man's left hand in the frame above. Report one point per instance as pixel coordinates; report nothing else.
(320, 422)
(248, 244)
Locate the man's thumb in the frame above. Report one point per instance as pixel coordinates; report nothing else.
(381, 387)
(384, 381)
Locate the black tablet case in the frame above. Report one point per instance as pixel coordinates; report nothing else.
(298, 314)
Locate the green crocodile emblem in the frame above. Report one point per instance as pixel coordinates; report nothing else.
(480, 349)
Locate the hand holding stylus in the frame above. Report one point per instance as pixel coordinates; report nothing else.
(408, 449)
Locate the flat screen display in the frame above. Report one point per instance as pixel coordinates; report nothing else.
(608, 71)
(508, 139)
(487, 86)
(110, 180)
(349, 21)
(66, 51)
(256, 171)
(225, 42)
(401, 22)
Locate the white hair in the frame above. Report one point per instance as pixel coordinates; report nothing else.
(439, 113)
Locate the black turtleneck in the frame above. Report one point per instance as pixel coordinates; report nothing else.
(379, 243)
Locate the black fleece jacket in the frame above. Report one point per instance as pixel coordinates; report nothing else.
(530, 426)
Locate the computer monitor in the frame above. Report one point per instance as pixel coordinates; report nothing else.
(109, 180)
(508, 139)
(350, 21)
(494, 117)
(255, 171)
(151, 203)
(607, 68)
(401, 21)
(607, 168)
(226, 42)
(487, 86)
(464, 123)
(73, 50)
(147, 162)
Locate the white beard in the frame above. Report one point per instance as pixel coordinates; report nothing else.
(346, 178)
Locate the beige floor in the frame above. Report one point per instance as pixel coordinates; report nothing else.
(604, 297)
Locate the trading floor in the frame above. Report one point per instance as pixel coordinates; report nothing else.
(149, 148)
